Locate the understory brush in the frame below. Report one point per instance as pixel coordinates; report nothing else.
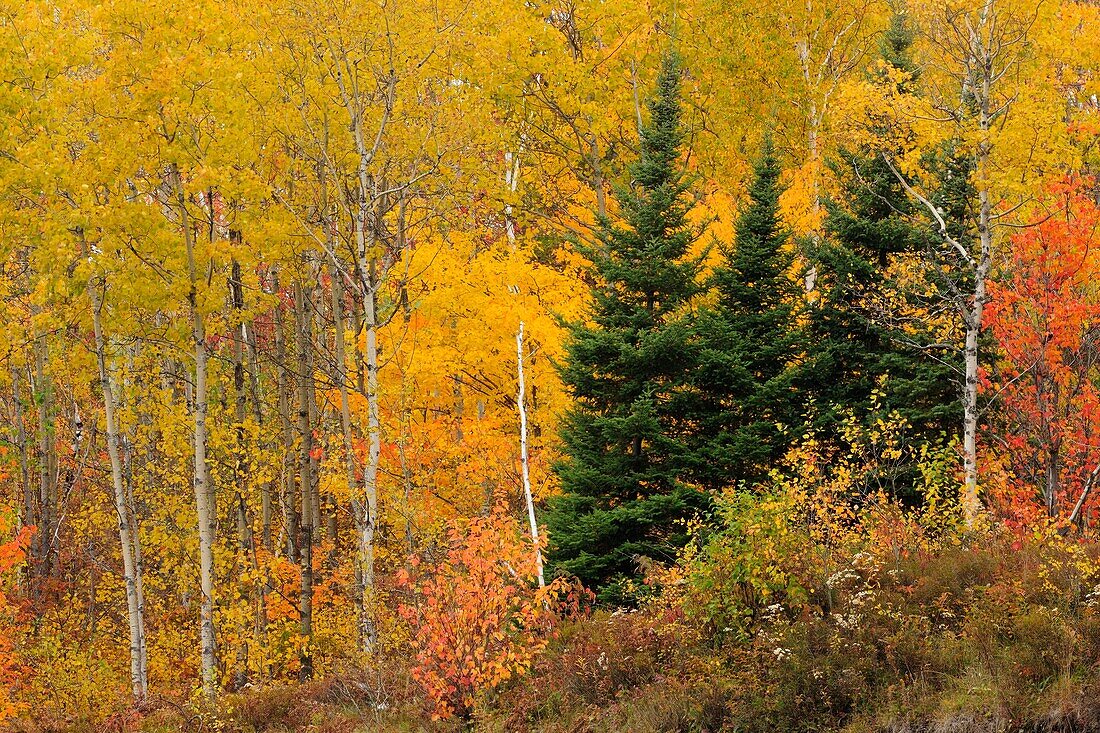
(809, 606)
(768, 624)
(866, 620)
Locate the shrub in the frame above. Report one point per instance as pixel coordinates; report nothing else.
(479, 620)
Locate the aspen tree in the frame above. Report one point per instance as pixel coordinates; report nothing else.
(128, 539)
(981, 51)
(302, 305)
(205, 506)
(521, 405)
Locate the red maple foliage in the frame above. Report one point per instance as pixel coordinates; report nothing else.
(1045, 316)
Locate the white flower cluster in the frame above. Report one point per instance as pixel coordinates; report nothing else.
(772, 612)
(847, 621)
(840, 577)
(863, 560)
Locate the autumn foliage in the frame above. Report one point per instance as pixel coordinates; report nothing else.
(299, 297)
(1044, 315)
(478, 616)
(12, 555)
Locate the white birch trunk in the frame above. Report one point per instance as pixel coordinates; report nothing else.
(204, 500)
(981, 62)
(367, 266)
(369, 510)
(139, 565)
(131, 571)
(521, 405)
(987, 44)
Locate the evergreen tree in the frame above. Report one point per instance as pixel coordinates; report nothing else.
(748, 343)
(895, 53)
(626, 368)
(859, 346)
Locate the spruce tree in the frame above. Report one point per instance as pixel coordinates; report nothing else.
(626, 367)
(747, 344)
(858, 345)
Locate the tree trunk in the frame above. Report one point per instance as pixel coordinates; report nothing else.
(341, 379)
(305, 467)
(204, 496)
(47, 463)
(139, 563)
(241, 467)
(316, 413)
(282, 382)
(258, 416)
(369, 278)
(267, 586)
(521, 405)
(970, 421)
(369, 510)
(983, 46)
(131, 572)
(981, 63)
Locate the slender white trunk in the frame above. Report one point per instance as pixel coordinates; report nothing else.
(511, 180)
(970, 422)
(45, 538)
(258, 416)
(368, 285)
(139, 564)
(973, 322)
(206, 515)
(521, 405)
(204, 499)
(287, 534)
(981, 63)
(370, 273)
(131, 572)
(987, 45)
(369, 510)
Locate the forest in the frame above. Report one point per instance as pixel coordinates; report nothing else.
(550, 365)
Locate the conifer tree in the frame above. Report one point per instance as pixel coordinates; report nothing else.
(626, 366)
(858, 347)
(748, 342)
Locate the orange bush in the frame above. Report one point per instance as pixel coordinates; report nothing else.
(479, 620)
